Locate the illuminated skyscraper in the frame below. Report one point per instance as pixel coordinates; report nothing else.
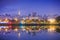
(19, 13)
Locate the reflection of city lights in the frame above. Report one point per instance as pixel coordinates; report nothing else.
(39, 29)
(26, 31)
(23, 29)
(0, 29)
(10, 26)
(0, 20)
(18, 34)
(6, 30)
(51, 29)
(15, 29)
(10, 22)
(51, 20)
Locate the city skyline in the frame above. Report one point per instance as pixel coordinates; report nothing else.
(29, 19)
(41, 7)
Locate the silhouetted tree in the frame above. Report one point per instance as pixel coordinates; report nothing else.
(58, 19)
(58, 30)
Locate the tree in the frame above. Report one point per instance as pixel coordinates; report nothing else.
(58, 19)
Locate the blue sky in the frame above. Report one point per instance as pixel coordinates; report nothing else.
(48, 7)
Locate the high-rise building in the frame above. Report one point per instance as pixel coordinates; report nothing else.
(29, 15)
(34, 14)
(19, 13)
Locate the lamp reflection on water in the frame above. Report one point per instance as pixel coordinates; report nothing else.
(6, 30)
(0, 29)
(16, 29)
(19, 34)
(51, 28)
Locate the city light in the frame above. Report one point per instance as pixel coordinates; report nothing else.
(18, 34)
(15, 19)
(6, 30)
(22, 22)
(19, 13)
(16, 29)
(0, 29)
(6, 20)
(52, 21)
(0, 20)
(27, 20)
(51, 28)
(6, 27)
(39, 29)
(23, 29)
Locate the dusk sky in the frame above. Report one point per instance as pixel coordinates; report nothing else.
(48, 7)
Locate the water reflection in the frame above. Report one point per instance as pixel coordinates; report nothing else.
(50, 29)
(19, 34)
(32, 33)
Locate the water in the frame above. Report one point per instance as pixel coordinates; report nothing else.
(27, 35)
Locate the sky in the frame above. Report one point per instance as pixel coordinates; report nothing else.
(41, 7)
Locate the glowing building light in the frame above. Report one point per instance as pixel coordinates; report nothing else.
(7, 27)
(52, 20)
(39, 29)
(0, 29)
(24, 18)
(22, 22)
(6, 20)
(19, 13)
(15, 19)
